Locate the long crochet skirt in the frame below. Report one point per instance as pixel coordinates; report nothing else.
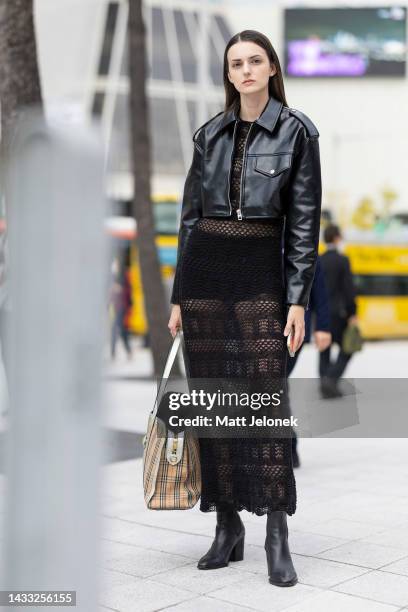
(233, 316)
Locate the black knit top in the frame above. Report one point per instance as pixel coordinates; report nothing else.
(241, 134)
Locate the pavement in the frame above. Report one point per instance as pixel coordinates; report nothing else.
(348, 537)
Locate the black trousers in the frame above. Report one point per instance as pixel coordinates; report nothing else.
(333, 369)
(119, 329)
(327, 367)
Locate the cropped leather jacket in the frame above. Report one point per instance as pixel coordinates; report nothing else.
(280, 177)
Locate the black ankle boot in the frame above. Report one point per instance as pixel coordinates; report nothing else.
(228, 544)
(280, 567)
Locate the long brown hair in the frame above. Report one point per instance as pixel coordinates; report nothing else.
(275, 86)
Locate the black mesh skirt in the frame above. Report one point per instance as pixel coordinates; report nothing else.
(233, 316)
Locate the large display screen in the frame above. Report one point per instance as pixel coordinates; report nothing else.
(345, 42)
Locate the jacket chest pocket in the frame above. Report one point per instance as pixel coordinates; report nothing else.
(273, 165)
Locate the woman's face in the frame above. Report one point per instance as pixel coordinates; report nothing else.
(248, 61)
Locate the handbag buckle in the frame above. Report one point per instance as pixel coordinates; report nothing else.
(174, 449)
(173, 452)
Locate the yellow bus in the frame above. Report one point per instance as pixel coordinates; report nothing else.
(123, 229)
(380, 270)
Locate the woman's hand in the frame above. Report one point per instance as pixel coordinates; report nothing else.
(175, 320)
(296, 319)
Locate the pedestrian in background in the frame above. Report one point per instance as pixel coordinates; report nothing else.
(317, 318)
(342, 307)
(120, 301)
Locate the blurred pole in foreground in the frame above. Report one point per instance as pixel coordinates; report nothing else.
(58, 263)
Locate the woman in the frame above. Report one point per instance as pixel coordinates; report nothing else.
(254, 186)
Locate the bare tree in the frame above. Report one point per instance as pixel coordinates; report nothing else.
(19, 88)
(19, 74)
(157, 313)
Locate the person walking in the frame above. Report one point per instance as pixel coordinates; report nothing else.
(342, 306)
(317, 318)
(120, 301)
(253, 185)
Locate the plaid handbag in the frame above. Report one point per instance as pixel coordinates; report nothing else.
(171, 463)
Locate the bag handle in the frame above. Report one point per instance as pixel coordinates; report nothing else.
(167, 368)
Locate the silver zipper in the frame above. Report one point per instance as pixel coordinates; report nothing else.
(239, 209)
(229, 172)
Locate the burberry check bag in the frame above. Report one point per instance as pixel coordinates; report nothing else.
(171, 462)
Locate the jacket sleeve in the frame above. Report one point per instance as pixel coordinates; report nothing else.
(191, 208)
(302, 223)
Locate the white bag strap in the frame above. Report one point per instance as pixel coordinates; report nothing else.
(167, 368)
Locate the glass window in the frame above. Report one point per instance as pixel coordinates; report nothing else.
(381, 284)
(119, 149)
(166, 217)
(166, 145)
(109, 33)
(216, 63)
(97, 104)
(124, 68)
(187, 56)
(192, 114)
(225, 31)
(161, 64)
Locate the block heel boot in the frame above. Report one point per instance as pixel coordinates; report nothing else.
(228, 544)
(280, 567)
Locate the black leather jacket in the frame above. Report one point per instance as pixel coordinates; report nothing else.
(280, 177)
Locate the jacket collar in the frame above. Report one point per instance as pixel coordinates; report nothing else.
(267, 119)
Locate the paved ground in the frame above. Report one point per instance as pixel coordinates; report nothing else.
(349, 536)
(349, 540)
